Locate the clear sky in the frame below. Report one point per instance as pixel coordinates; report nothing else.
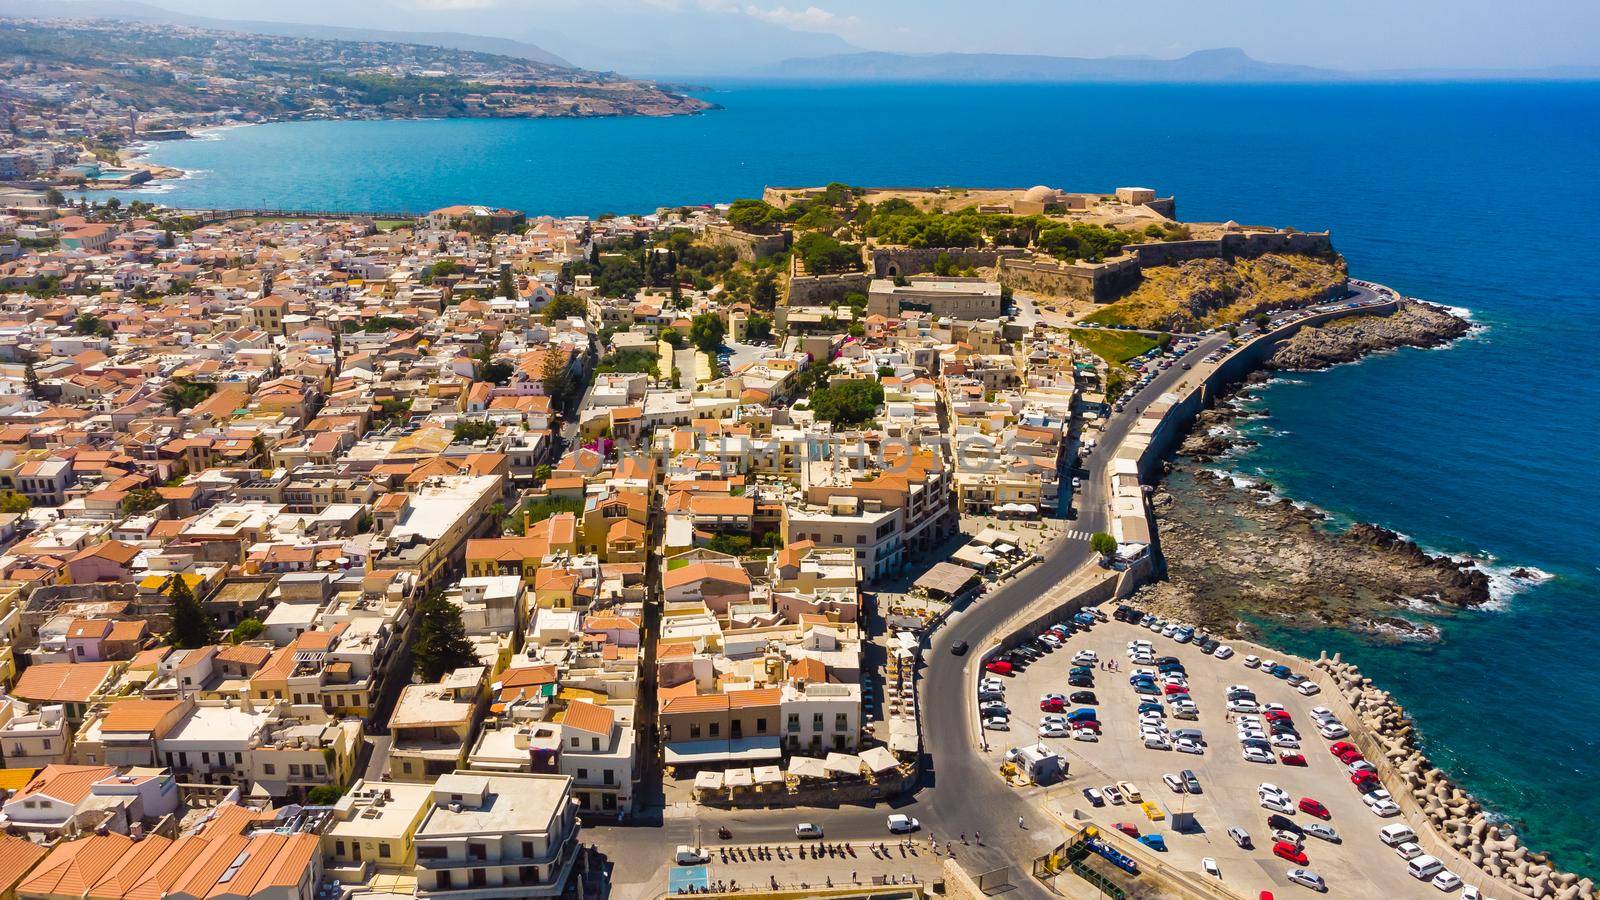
(1351, 34)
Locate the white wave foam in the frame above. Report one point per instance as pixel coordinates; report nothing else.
(1505, 582)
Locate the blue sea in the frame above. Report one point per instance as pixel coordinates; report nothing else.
(1479, 196)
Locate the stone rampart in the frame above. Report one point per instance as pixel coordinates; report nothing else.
(748, 245)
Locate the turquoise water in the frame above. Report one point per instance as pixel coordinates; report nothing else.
(1480, 196)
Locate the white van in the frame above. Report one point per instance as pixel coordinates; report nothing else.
(1396, 834)
(1424, 867)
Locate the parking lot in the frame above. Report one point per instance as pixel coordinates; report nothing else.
(1360, 865)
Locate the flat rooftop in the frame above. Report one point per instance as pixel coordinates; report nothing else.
(514, 803)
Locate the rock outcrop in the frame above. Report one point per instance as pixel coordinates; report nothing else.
(1414, 324)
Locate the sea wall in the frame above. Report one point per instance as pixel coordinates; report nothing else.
(888, 262)
(1107, 280)
(750, 247)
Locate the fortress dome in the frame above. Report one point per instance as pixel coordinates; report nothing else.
(1039, 194)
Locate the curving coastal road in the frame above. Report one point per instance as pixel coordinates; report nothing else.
(960, 793)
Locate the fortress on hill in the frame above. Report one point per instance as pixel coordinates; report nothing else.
(1021, 268)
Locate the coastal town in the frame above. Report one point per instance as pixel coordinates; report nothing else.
(721, 549)
(77, 96)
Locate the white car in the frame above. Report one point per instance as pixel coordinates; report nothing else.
(1053, 719)
(902, 824)
(1323, 714)
(1186, 745)
(1384, 809)
(1054, 730)
(1333, 731)
(1050, 637)
(1111, 793)
(1471, 892)
(1408, 850)
(1156, 742)
(1446, 881)
(1087, 735)
(1267, 787)
(692, 856)
(1174, 783)
(1223, 652)
(1307, 878)
(1308, 689)
(807, 830)
(997, 723)
(1130, 792)
(1285, 741)
(1252, 662)
(1240, 836)
(1085, 658)
(1362, 765)
(992, 683)
(1258, 755)
(1243, 706)
(1210, 865)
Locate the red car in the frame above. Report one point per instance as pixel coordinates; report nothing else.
(1308, 805)
(1051, 705)
(1128, 828)
(1292, 759)
(1286, 850)
(1365, 782)
(1342, 748)
(997, 666)
(1176, 689)
(1273, 715)
(1351, 757)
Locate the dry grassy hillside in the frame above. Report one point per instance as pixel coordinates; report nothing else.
(1207, 292)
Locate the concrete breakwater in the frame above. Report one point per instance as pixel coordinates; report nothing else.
(1457, 819)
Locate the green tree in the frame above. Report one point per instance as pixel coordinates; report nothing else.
(140, 500)
(1103, 543)
(53, 197)
(823, 255)
(758, 328)
(472, 430)
(764, 291)
(13, 502)
(508, 287)
(30, 377)
(89, 323)
(557, 381)
(442, 645)
(753, 215)
(496, 372)
(565, 306)
(324, 795)
(184, 394)
(248, 630)
(706, 331)
(849, 402)
(192, 626)
(1263, 320)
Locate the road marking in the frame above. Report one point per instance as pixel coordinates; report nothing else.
(1075, 535)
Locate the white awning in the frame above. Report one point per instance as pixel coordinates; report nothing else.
(807, 767)
(843, 764)
(879, 759)
(738, 778)
(768, 775)
(709, 780)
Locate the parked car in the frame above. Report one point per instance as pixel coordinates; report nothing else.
(1083, 697)
(807, 830)
(997, 723)
(1323, 832)
(1315, 808)
(1446, 880)
(1251, 662)
(1113, 794)
(959, 648)
(1127, 828)
(1306, 878)
(998, 666)
(1094, 796)
(1257, 755)
(1240, 836)
(1223, 652)
(1130, 792)
(1174, 782)
(1291, 759)
(1154, 841)
(1308, 688)
(1288, 851)
(692, 856)
(1190, 782)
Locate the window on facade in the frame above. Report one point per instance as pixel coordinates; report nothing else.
(294, 768)
(761, 725)
(383, 850)
(816, 721)
(610, 777)
(269, 769)
(527, 850)
(794, 721)
(840, 722)
(528, 874)
(431, 852)
(338, 848)
(583, 774)
(861, 539)
(716, 729)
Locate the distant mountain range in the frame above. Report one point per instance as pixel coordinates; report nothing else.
(1224, 65)
(133, 11)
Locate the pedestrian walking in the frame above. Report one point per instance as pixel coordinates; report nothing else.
(1020, 823)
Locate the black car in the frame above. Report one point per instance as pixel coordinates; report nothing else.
(959, 648)
(1082, 681)
(1283, 823)
(1083, 697)
(1189, 781)
(1168, 661)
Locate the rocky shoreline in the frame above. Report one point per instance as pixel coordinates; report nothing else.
(1235, 551)
(1458, 819)
(1413, 324)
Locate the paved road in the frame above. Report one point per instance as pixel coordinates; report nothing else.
(960, 793)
